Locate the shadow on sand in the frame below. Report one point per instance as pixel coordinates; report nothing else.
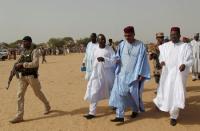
(102, 112)
(189, 116)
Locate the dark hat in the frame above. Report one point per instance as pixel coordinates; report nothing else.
(129, 29)
(177, 29)
(27, 38)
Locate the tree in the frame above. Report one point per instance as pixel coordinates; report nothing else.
(56, 42)
(83, 41)
(69, 41)
(42, 45)
(15, 44)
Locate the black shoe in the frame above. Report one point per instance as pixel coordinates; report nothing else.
(88, 116)
(173, 122)
(134, 114)
(194, 79)
(114, 108)
(117, 120)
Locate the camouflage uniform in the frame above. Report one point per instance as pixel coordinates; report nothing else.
(156, 64)
(29, 76)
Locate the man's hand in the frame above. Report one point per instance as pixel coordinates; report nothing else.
(19, 65)
(182, 68)
(141, 78)
(162, 64)
(118, 61)
(151, 56)
(100, 59)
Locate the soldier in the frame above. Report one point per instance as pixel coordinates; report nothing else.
(28, 69)
(154, 55)
(43, 53)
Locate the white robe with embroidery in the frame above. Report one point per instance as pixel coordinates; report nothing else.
(171, 91)
(102, 78)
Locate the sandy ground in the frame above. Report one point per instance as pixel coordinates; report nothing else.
(64, 86)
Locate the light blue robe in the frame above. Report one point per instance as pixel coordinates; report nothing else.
(88, 59)
(127, 90)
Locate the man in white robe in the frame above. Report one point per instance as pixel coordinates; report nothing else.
(196, 54)
(176, 59)
(101, 81)
(88, 59)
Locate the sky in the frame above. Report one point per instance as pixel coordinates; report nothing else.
(44, 19)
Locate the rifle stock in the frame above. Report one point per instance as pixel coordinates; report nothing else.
(13, 73)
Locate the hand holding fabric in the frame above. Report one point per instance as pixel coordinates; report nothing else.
(162, 64)
(141, 78)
